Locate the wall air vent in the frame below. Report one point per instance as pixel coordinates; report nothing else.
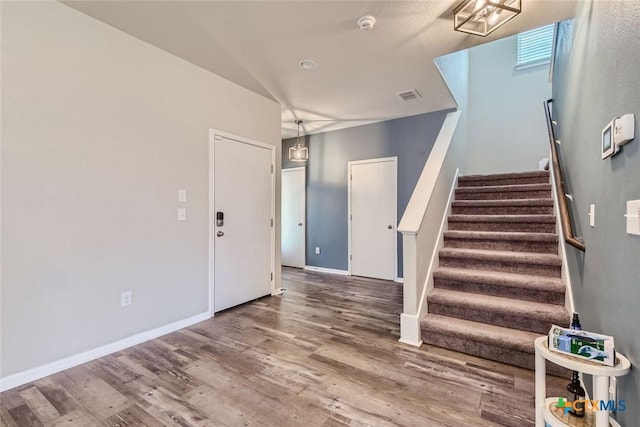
(408, 95)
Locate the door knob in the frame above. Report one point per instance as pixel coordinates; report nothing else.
(220, 233)
(390, 227)
(299, 224)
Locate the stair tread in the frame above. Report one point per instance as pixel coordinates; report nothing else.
(504, 188)
(501, 235)
(508, 256)
(536, 218)
(481, 332)
(509, 175)
(524, 309)
(503, 202)
(549, 284)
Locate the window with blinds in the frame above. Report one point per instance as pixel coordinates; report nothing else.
(535, 47)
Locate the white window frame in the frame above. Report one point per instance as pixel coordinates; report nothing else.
(536, 40)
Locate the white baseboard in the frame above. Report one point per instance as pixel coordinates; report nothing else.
(410, 330)
(33, 374)
(411, 343)
(326, 270)
(399, 279)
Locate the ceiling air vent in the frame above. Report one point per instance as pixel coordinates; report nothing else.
(408, 95)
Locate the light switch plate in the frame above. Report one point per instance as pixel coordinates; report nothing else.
(182, 214)
(592, 215)
(633, 217)
(182, 196)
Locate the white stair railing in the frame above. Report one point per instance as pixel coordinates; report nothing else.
(423, 223)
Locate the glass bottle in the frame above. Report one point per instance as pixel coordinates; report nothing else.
(576, 395)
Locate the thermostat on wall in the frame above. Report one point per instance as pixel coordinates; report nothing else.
(624, 129)
(608, 146)
(617, 133)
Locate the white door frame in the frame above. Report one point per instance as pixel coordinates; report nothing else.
(212, 137)
(395, 206)
(304, 236)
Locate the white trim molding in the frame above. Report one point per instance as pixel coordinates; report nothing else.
(33, 374)
(326, 270)
(562, 248)
(423, 223)
(410, 326)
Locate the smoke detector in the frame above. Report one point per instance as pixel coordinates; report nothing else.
(366, 22)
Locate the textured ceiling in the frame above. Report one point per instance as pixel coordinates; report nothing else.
(258, 44)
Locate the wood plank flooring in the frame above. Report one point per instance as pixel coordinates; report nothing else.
(323, 354)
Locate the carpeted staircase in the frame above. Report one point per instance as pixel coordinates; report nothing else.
(498, 285)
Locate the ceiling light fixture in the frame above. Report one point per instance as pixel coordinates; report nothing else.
(298, 153)
(307, 64)
(482, 17)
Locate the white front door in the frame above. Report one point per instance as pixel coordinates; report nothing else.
(372, 212)
(293, 217)
(243, 198)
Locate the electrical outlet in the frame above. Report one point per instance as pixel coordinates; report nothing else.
(633, 217)
(126, 298)
(317, 250)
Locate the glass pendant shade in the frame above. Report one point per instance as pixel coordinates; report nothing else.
(482, 17)
(298, 153)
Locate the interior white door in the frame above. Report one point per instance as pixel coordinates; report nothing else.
(243, 247)
(293, 217)
(373, 218)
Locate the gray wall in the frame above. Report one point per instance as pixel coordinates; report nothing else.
(596, 79)
(454, 68)
(99, 131)
(507, 132)
(410, 139)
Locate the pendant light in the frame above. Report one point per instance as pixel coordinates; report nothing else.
(298, 153)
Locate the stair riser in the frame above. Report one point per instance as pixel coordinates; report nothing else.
(504, 266)
(511, 181)
(502, 210)
(502, 245)
(529, 227)
(490, 352)
(506, 320)
(534, 295)
(503, 195)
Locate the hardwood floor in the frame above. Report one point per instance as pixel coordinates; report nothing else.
(323, 354)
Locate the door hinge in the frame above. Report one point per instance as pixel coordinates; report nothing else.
(350, 257)
(351, 217)
(351, 177)
(272, 277)
(272, 222)
(271, 168)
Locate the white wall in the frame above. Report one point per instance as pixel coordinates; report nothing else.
(507, 130)
(99, 131)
